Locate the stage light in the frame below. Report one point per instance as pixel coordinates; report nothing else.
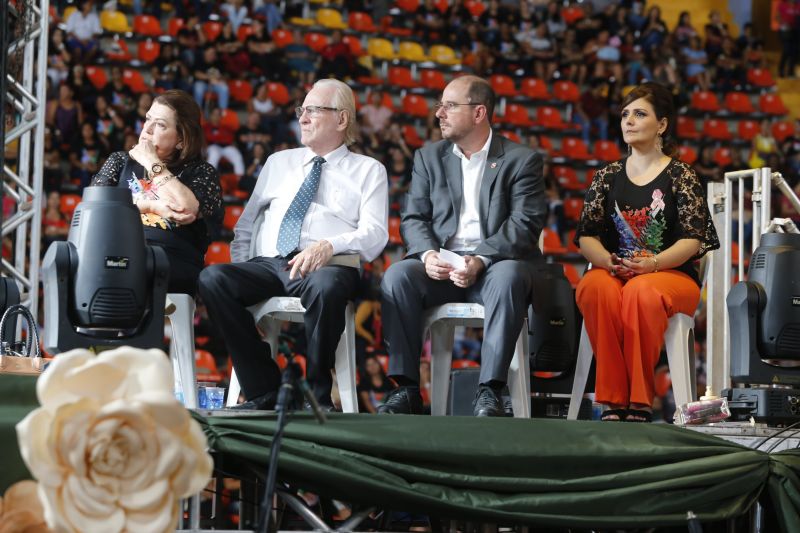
(104, 287)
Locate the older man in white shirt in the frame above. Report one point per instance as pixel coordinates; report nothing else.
(315, 213)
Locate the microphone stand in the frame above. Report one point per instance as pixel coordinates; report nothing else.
(292, 381)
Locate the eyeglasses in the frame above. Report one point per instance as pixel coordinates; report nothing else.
(450, 106)
(312, 110)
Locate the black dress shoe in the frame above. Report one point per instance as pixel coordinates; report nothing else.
(402, 401)
(265, 402)
(487, 403)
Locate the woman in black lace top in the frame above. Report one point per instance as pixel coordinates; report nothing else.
(644, 223)
(177, 192)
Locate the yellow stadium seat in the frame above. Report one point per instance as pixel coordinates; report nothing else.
(69, 10)
(114, 21)
(300, 21)
(411, 51)
(444, 55)
(380, 48)
(331, 19)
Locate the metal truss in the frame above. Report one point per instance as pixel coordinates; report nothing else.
(23, 80)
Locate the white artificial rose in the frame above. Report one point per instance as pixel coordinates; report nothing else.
(112, 448)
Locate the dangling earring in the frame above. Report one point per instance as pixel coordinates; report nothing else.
(659, 143)
(179, 147)
(630, 150)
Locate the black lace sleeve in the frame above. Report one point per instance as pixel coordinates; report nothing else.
(593, 217)
(693, 214)
(203, 180)
(108, 175)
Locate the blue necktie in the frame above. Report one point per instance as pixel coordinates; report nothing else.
(289, 232)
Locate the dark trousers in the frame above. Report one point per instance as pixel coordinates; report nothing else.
(407, 291)
(228, 289)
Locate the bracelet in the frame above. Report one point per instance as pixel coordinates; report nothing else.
(655, 262)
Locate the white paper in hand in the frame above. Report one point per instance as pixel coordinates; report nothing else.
(453, 259)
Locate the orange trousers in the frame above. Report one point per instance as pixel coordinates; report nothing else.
(626, 322)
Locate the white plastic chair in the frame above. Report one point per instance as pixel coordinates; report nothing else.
(269, 315)
(181, 348)
(679, 342)
(442, 321)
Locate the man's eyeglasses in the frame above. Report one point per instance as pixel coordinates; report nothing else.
(450, 106)
(312, 110)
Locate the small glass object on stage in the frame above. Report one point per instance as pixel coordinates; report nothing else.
(702, 412)
(209, 397)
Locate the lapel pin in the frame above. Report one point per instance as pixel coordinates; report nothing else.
(494, 165)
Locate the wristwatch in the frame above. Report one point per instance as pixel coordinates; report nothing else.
(157, 168)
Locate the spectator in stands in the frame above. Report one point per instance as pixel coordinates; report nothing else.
(83, 30)
(707, 169)
(177, 193)
(375, 116)
(236, 13)
(264, 55)
(373, 386)
(301, 59)
(234, 58)
(207, 77)
(82, 89)
(428, 22)
(272, 257)
(169, 72)
(789, 31)
(220, 143)
(571, 65)
(117, 93)
(591, 111)
(337, 60)
(139, 115)
(499, 245)
(64, 117)
(251, 133)
(696, 60)
(85, 153)
(633, 59)
(655, 30)
(644, 223)
(255, 163)
(55, 225)
(730, 73)
(541, 50)
(763, 144)
(684, 31)
(555, 23)
(270, 12)
(53, 173)
(58, 58)
(715, 32)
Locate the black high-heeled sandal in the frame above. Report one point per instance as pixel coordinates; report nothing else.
(621, 414)
(639, 416)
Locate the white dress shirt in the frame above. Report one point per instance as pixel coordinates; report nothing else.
(349, 210)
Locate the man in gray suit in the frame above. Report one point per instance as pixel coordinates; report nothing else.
(482, 196)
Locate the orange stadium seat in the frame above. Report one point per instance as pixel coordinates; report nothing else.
(244, 31)
(441, 5)
(354, 44)
(572, 14)
(218, 252)
(475, 8)
(206, 366)
(552, 242)
(412, 137)
(458, 364)
(573, 208)
(278, 92)
(68, 204)
(408, 5)
(212, 29)
(315, 40)
(148, 51)
(230, 119)
(760, 77)
(387, 26)
(568, 179)
(503, 85)
(232, 214)
(572, 274)
(575, 148)
(771, 104)
(782, 130)
(566, 91)
(550, 117)
(687, 128)
(571, 246)
(361, 22)
(394, 231)
(747, 129)
(716, 129)
(415, 105)
(241, 90)
(401, 77)
(229, 182)
(722, 156)
(432, 79)
(739, 102)
(516, 115)
(97, 76)
(282, 37)
(134, 80)
(147, 26)
(118, 51)
(606, 151)
(174, 26)
(511, 136)
(705, 101)
(535, 89)
(687, 154)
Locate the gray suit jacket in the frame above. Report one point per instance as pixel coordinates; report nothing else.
(512, 202)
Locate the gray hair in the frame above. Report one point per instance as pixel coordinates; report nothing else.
(343, 100)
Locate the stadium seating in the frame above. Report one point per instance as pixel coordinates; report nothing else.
(716, 129)
(218, 252)
(535, 89)
(705, 101)
(361, 22)
(330, 19)
(771, 104)
(606, 151)
(503, 85)
(147, 26)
